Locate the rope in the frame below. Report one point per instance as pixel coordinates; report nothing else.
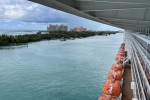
(114, 74)
(111, 89)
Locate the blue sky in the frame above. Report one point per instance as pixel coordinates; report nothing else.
(26, 15)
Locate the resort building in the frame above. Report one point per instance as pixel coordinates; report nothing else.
(57, 27)
(78, 29)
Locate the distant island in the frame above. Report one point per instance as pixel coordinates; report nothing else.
(6, 40)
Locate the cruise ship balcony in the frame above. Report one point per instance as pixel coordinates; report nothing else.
(131, 15)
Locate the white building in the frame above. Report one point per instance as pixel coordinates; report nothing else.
(57, 27)
(78, 29)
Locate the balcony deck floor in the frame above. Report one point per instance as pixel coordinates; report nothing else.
(127, 93)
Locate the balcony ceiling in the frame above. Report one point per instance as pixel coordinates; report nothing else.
(126, 14)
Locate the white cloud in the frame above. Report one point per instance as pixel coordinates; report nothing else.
(15, 11)
(23, 10)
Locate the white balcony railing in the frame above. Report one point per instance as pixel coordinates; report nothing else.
(140, 67)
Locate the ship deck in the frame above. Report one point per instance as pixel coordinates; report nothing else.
(126, 87)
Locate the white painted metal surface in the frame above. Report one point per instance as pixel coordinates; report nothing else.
(126, 14)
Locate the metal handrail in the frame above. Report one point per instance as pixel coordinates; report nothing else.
(142, 85)
(143, 56)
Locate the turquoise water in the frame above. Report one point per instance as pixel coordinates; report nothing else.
(56, 70)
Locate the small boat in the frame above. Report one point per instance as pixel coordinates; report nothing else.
(72, 38)
(63, 39)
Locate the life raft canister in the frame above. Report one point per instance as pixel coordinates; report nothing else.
(111, 87)
(106, 98)
(120, 60)
(121, 51)
(120, 54)
(119, 57)
(117, 67)
(117, 75)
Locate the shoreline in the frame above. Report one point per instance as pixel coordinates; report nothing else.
(9, 40)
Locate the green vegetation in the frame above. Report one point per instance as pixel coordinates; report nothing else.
(6, 40)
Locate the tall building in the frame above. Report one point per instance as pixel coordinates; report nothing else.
(78, 29)
(82, 29)
(57, 27)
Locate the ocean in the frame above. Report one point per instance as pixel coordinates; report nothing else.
(58, 70)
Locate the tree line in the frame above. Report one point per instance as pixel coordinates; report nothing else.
(6, 40)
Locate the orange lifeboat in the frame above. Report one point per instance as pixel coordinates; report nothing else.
(111, 87)
(106, 98)
(117, 67)
(117, 75)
